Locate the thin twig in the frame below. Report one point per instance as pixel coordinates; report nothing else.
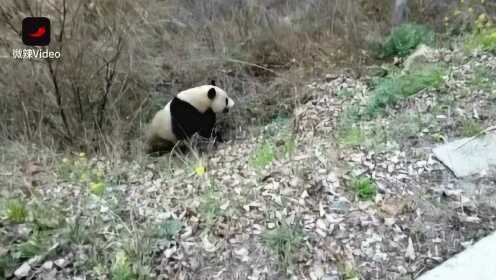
(58, 97)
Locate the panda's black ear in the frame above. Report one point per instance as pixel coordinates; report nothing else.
(211, 93)
(212, 82)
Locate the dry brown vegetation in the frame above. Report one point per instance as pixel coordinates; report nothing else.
(122, 60)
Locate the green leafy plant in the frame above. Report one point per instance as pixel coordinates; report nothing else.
(364, 187)
(403, 40)
(169, 229)
(284, 241)
(30, 248)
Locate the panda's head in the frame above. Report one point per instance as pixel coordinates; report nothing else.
(207, 97)
(220, 101)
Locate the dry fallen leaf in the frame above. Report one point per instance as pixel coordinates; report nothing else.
(410, 251)
(207, 245)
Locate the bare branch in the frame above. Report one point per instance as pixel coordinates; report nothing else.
(58, 97)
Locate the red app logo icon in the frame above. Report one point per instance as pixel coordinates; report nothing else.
(40, 32)
(36, 31)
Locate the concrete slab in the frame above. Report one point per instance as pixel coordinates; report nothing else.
(476, 262)
(467, 157)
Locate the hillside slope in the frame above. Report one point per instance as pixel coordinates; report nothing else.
(324, 195)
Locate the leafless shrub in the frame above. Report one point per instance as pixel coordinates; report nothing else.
(122, 60)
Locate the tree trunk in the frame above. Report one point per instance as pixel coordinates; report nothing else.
(400, 12)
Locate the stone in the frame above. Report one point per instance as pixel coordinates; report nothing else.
(469, 156)
(476, 262)
(48, 265)
(61, 262)
(22, 271)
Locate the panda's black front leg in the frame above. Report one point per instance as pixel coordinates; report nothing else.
(207, 125)
(218, 136)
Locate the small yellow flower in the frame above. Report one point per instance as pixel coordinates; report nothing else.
(457, 12)
(82, 155)
(200, 170)
(471, 10)
(65, 160)
(446, 18)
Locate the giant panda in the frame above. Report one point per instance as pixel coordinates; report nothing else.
(190, 111)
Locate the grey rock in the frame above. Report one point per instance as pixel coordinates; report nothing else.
(22, 271)
(477, 262)
(467, 157)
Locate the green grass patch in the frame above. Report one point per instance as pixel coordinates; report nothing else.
(403, 40)
(279, 142)
(389, 91)
(263, 155)
(348, 271)
(16, 211)
(121, 268)
(352, 137)
(482, 78)
(210, 204)
(484, 40)
(287, 144)
(364, 187)
(344, 93)
(470, 127)
(284, 241)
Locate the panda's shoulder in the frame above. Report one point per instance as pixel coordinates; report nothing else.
(181, 107)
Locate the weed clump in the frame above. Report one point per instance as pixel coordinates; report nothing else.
(279, 142)
(389, 91)
(284, 241)
(16, 211)
(470, 128)
(484, 40)
(365, 188)
(403, 40)
(352, 137)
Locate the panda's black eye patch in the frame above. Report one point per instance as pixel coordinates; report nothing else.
(211, 93)
(227, 102)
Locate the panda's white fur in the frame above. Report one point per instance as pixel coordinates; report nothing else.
(161, 127)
